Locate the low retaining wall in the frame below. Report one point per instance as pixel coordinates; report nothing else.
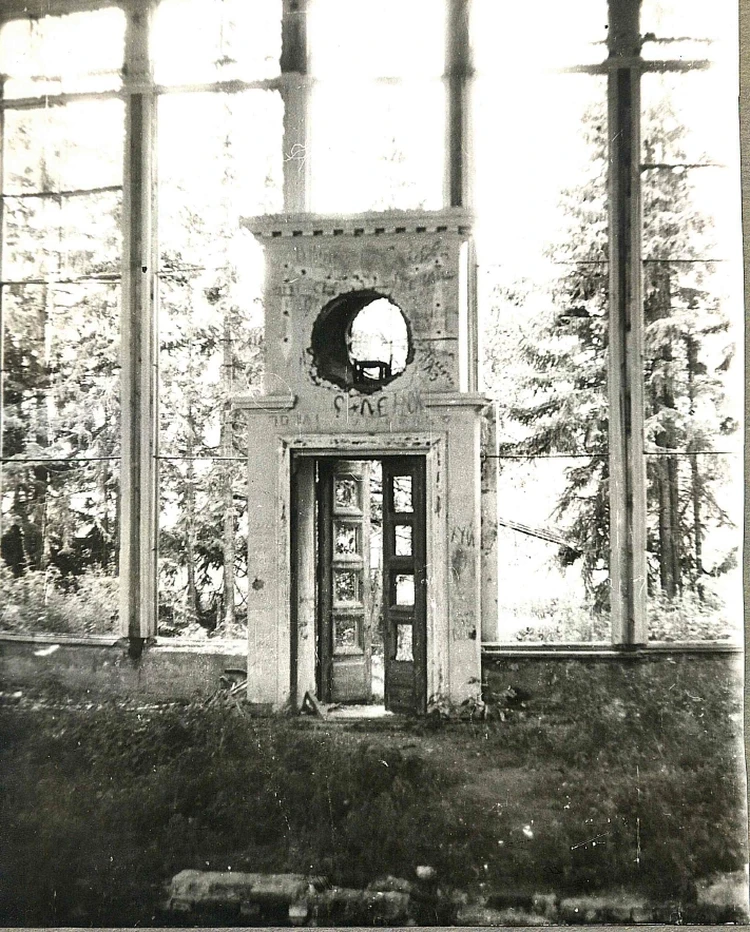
(544, 680)
(166, 671)
(103, 666)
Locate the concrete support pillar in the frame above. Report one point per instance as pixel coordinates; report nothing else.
(458, 71)
(295, 92)
(464, 556)
(489, 556)
(626, 461)
(304, 570)
(138, 342)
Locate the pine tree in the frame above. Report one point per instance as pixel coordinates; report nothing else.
(550, 372)
(61, 358)
(211, 346)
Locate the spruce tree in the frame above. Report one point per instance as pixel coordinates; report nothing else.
(550, 370)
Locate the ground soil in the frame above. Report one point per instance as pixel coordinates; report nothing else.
(103, 802)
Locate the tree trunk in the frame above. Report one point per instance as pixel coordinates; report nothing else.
(227, 445)
(105, 555)
(666, 471)
(696, 487)
(669, 572)
(191, 607)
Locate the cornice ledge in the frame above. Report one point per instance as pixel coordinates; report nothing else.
(282, 226)
(262, 404)
(455, 400)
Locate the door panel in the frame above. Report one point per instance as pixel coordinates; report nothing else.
(344, 577)
(404, 584)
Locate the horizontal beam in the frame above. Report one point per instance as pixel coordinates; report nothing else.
(113, 279)
(35, 9)
(45, 101)
(540, 651)
(273, 226)
(638, 64)
(56, 195)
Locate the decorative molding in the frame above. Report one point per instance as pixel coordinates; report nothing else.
(363, 444)
(262, 404)
(456, 220)
(455, 400)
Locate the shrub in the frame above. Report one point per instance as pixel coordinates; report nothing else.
(46, 602)
(689, 618)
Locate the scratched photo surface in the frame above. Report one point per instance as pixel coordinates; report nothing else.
(371, 463)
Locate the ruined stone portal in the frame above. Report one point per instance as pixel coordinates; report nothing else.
(330, 393)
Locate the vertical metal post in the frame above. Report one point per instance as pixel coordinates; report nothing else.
(2, 297)
(626, 461)
(744, 108)
(295, 84)
(138, 473)
(457, 74)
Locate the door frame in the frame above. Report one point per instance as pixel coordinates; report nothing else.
(297, 499)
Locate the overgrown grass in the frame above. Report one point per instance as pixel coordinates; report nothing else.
(46, 602)
(603, 787)
(120, 801)
(650, 757)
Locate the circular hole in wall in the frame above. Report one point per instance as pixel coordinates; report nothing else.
(361, 340)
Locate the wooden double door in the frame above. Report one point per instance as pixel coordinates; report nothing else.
(372, 598)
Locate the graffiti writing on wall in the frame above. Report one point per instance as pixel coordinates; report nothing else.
(383, 407)
(436, 368)
(297, 421)
(463, 536)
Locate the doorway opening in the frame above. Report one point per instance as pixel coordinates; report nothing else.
(370, 582)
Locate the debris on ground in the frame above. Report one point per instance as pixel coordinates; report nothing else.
(296, 899)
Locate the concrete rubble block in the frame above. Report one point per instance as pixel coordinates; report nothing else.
(390, 906)
(193, 890)
(337, 903)
(641, 914)
(476, 914)
(362, 907)
(713, 914)
(458, 897)
(724, 890)
(545, 904)
(298, 913)
(390, 883)
(614, 907)
(507, 899)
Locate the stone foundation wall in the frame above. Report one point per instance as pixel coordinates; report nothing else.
(103, 667)
(164, 671)
(545, 681)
